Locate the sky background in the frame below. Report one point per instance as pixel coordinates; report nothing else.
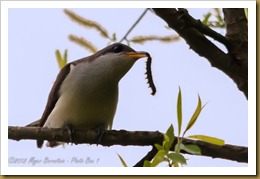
(35, 34)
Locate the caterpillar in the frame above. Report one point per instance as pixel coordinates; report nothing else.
(148, 74)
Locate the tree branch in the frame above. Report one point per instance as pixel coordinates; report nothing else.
(125, 138)
(237, 34)
(149, 156)
(204, 29)
(187, 27)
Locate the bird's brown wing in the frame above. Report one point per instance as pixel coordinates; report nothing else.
(54, 94)
(34, 124)
(53, 97)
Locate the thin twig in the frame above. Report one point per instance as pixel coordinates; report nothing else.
(133, 26)
(149, 156)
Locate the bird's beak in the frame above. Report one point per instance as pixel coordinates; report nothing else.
(136, 55)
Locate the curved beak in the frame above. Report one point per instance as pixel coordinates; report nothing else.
(136, 55)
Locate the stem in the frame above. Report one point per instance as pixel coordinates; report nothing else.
(133, 26)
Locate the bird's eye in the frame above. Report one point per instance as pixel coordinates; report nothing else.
(118, 48)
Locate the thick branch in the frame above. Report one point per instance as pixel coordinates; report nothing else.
(187, 27)
(125, 138)
(237, 34)
(204, 29)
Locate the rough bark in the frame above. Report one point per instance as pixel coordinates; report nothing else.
(125, 138)
(234, 63)
(237, 35)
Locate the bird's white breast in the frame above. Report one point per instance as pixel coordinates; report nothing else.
(87, 99)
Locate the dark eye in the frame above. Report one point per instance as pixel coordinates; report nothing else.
(118, 48)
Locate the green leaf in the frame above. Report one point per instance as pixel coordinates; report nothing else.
(60, 60)
(209, 139)
(158, 158)
(206, 18)
(168, 138)
(170, 134)
(175, 164)
(179, 111)
(58, 57)
(218, 15)
(195, 115)
(177, 148)
(158, 147)
(147, 163)
(65, 56)
(177, 158)
(122, 160)
(166, 143)
(192, 149)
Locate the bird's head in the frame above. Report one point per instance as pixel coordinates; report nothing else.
(116, 60)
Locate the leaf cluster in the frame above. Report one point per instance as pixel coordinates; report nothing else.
(174, 158)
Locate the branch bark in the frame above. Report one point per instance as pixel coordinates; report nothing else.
(237, 35)
(193, 32)
(125, 138)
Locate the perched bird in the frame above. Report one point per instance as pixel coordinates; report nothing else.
(85, 93)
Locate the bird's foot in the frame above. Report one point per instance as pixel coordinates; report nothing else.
(71, 132)
(101, 132)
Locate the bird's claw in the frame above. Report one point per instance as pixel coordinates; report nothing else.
(71, 132)
(101, 132)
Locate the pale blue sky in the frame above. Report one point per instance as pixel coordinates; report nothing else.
(34, 35)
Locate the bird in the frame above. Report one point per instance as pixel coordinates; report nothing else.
(85, 92)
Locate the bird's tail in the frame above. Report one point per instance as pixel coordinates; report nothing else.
(36, 124)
